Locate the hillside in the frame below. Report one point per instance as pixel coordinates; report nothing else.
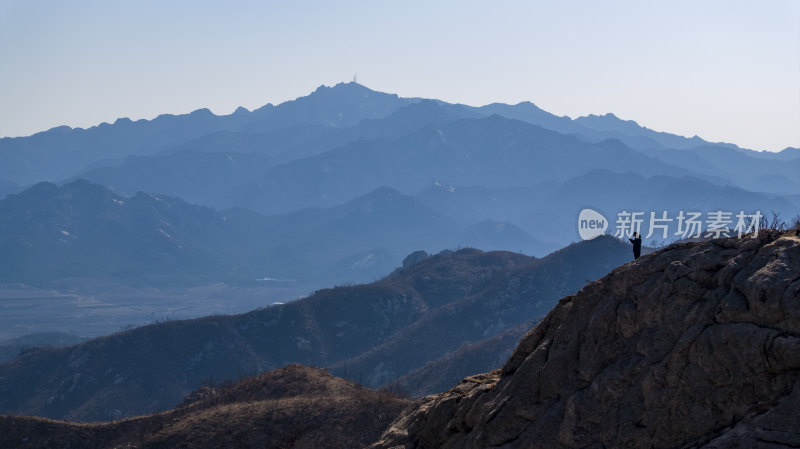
(508, 298)
(295, 406)
(54, 235)
(695, 345)
(490, 151)
(373, 332)
(12, 347)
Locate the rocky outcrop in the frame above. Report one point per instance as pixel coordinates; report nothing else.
(695, 345)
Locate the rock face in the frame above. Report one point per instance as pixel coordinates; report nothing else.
(696, 345)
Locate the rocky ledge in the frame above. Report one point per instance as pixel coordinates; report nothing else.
(696, 345)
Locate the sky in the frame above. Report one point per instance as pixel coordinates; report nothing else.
(724, 70)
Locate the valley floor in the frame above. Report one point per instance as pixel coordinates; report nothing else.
(103, 309)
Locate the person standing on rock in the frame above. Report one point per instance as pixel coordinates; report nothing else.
(637, 245)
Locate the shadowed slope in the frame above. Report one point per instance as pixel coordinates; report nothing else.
(694, 345)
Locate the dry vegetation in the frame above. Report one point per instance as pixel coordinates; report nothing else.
(293, 407)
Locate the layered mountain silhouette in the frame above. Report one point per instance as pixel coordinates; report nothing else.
(336, 188)
(491, 152)
(528, 174)
(545, 208)
(332, 117)
(375, 332)
(695, 345)
(55, 236)
(238, 161)
(61, 152)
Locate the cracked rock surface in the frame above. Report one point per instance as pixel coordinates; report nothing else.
(693, 346)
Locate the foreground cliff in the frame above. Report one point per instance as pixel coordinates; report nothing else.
(697, 345)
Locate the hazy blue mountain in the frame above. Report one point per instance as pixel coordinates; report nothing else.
(611, 193)
(62, 152)
(748, 170)
(351, 115)
(340, 106)
(610, 123)
(287, 143)
(53, 235)
(596, 128)
(207, 178)
(295, 142)
(493, 152)
(82, 230)
(366, 237)
(327, 118)
(549, 211)
(529, 112)
(215, 170)
(788, 154)
(341, 143)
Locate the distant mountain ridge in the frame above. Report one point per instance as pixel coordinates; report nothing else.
(54, 235)
(521, 176)
(63, 152)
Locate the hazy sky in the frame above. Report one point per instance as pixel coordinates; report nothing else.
(725, 70)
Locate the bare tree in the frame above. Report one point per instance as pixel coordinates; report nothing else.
(776, 222)
(795, 224)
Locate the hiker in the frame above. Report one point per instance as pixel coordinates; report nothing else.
(637, 245)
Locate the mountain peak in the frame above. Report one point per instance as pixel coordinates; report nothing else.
(528, 104)
(349, 87)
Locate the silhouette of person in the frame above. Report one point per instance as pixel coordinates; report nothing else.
(637, 245)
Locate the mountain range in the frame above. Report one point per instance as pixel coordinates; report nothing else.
(337, 187)
(53, 236)
(693, 345)
(373, 333)
(348, 113)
